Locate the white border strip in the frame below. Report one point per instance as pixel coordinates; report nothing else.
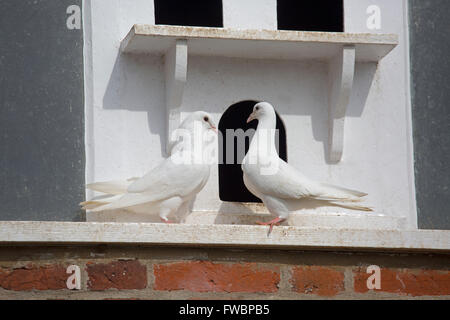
(409, 119)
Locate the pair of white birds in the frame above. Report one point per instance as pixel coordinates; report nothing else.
(170, 187)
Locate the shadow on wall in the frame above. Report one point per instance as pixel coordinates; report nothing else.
(293, 87)
(137, 84)
(363, 80)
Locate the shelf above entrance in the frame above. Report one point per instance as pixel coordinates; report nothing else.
(340, 50)
(257, 44)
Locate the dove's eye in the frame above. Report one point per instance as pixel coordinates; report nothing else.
(206, 119)
(256, 108)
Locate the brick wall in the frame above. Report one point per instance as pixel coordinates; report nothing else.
(117, 272)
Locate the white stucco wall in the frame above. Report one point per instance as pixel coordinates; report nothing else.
(125, 107)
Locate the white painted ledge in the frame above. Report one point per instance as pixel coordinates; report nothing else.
(340, 50)
(257, 44)
(87, 233)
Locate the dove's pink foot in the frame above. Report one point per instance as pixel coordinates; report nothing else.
(167, 221)
(271, 223)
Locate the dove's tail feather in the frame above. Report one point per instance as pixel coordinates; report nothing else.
(89, 205)
(338, 199)
(127, 200)
(352, 206)
(332, 192)
(111, 187)
(92, 204)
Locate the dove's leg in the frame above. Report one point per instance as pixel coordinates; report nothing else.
(271, 223)
(184, 210)
(276, 207)
(168, 207)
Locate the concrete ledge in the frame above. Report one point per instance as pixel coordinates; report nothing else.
(257, 44)
(308, 219)
(20, 232)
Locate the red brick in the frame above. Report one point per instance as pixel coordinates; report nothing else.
(322, 281)
(31, 277)
(119, 299)
(120, 275)
(406, 282)
(205, 276)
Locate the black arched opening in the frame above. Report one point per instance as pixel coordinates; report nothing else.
(231, 184)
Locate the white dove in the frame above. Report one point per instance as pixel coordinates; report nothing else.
(280, 186)
(174, 182)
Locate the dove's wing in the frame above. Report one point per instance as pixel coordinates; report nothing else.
(289, 183)
(170, 179)
(165, 181)
(286, 183)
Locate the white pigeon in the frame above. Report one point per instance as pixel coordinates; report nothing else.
(174, 182)
(280, 186)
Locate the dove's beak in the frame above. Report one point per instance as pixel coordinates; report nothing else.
(212, 126)
(251, 117)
